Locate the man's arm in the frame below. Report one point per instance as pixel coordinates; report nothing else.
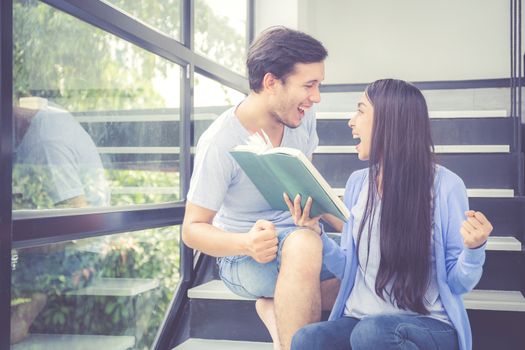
(198, 233)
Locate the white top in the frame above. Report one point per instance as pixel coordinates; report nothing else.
(363, 300)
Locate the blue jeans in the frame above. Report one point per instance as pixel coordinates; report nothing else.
(250, 279)
(381, 332)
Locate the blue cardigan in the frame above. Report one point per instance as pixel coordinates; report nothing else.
(458, 269)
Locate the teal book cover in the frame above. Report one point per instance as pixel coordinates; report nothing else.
(286, 170)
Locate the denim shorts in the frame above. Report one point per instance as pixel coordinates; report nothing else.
(247, 278)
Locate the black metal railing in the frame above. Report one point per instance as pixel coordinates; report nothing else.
(516, 84)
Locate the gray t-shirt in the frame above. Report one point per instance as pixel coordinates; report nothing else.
(219, 184)
(58, 153)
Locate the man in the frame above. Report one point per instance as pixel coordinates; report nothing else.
(262, 253)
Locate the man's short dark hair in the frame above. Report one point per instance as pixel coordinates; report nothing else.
(277, 50)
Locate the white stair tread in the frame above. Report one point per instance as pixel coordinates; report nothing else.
(504, 243)
(490, 192)
(75, 342)
(437, 149)
(216, 344)
(471, 192)
(497, 300)
(117, 287)
(432, 114)
(214, 289)
(477, 299)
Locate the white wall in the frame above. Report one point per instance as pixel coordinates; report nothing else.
(417, 40)
(276, 12)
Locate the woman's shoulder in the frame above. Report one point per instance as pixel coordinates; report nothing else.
(446, 179)
(355, 184)
(357, 177)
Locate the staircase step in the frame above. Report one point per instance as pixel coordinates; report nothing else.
(471, 192)
(75, 342)
(477, 299)
(437, 148)
(217, 344)
(479, 131)
(495, 300)
(478, 170)
(432, 114)
(118, 287)
(490, 192)
(505, 243)
(213, 289)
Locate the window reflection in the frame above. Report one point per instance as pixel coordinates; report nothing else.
(114, 290)
(56, 162)
(125, 99)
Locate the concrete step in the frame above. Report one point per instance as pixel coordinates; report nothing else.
(217, 344)
(74, 342)
(495, 300)
(477, 299)
(478, 170)
(213, 289)
(504, 243)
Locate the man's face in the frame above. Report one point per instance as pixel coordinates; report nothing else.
(297, 93)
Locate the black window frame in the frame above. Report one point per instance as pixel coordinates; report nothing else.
(23, 229)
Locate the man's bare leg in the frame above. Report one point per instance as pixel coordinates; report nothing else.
(266, 311)
(297, 296)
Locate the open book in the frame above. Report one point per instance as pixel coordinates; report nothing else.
(279, 170)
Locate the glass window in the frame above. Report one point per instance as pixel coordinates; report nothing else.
(110, 292)
(96, 117)
(163, 15)
(210, 99)
(220, 32)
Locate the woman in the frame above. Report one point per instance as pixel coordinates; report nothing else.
(411, 247)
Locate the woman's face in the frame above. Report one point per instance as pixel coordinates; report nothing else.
(361, 124)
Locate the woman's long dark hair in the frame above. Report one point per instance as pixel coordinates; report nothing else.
(402, 152)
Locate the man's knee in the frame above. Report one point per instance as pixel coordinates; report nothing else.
(301, 243)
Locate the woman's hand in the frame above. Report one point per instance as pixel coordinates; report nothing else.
(302, 217)
(476, 229)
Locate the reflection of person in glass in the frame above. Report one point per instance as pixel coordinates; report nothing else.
(56, 166)
(56, 162)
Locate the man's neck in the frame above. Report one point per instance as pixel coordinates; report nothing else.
(254, 115)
